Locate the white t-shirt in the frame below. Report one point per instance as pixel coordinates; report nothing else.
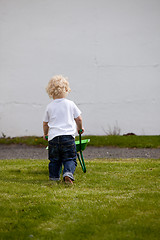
(60, 115)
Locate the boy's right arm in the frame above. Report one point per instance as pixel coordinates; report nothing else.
(45, 130)
(78, 121)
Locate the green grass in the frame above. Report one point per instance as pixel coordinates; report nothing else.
(30, 140)
(115, 199)
(126, 141)
(97, 141)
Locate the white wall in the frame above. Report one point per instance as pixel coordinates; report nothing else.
(109, 49)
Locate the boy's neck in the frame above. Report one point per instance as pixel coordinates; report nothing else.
(57, 98)
(60, 96)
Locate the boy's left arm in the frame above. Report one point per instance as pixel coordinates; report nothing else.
(78, 121)
(45, 130)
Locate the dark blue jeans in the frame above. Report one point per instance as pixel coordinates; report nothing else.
(62, 151)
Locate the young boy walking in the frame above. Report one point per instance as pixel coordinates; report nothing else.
(59, 124)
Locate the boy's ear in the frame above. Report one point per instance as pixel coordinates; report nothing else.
(68, 90)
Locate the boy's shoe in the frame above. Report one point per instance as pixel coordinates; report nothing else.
(68, 180)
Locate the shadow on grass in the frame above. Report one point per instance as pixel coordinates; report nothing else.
(33, 177)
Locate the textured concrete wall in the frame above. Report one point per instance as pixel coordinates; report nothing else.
(109, 49)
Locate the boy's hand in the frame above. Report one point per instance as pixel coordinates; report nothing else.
(45, 137)
(81, 131)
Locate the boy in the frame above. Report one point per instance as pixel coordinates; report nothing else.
(59, 125)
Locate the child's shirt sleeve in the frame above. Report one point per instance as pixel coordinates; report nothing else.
(76, 111)
(46, 116)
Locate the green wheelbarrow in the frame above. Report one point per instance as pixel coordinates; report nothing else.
(80, 146)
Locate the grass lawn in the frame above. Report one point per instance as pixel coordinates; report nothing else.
(97, 141)
(115, 199)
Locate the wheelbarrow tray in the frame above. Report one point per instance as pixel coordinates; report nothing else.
(83, 144)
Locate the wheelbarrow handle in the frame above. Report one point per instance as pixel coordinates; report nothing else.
(81, 160)
(80, 157)
(80, 132)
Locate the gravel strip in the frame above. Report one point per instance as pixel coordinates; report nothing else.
(29, 152)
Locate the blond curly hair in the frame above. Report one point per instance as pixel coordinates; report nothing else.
(58, 87)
